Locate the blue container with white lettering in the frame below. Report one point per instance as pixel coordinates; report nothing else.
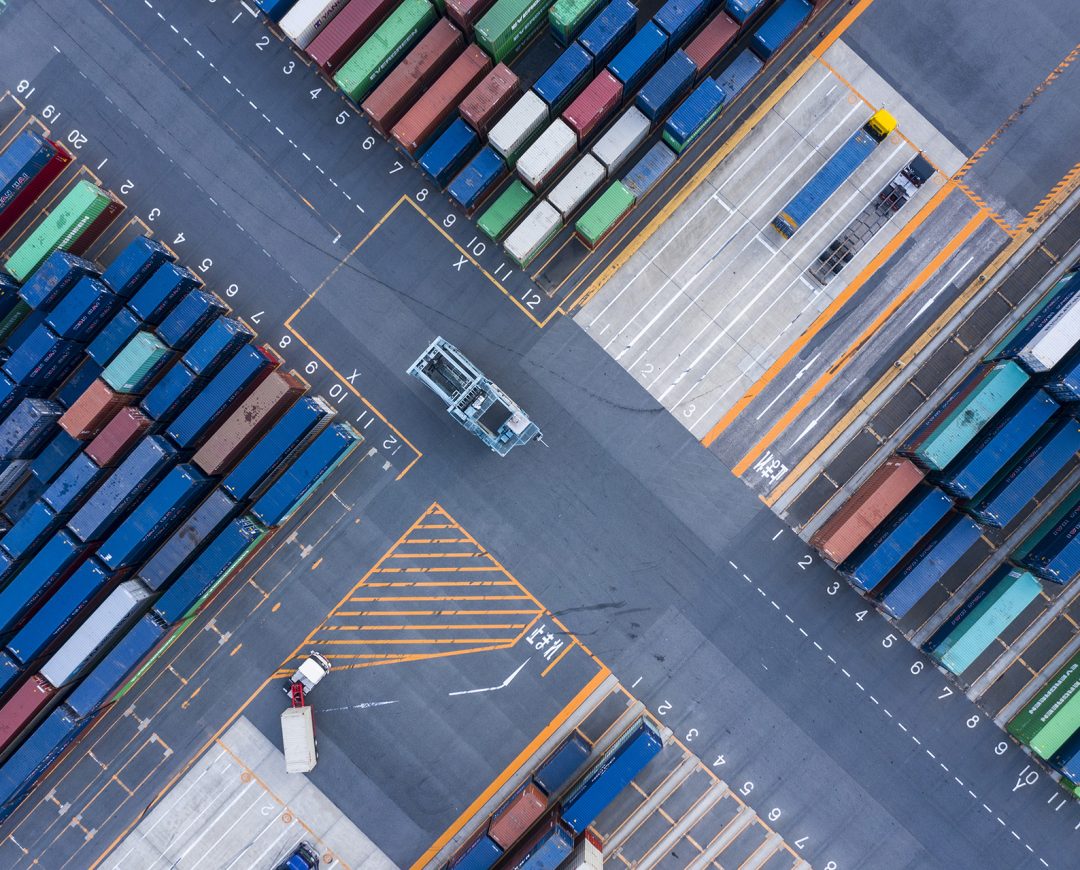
(478, 179)
(53, 563)
(191, 316)
(640, 57)
(27, 429)
(740, 10)
(779, 27)
(451, 151)
(113, 336)
(84, 375)
(186, 542)
(609, 31)
(83, 311)
(666, 87)
(73, 486)
(171, 394)
(694, 115)
(161, 292)
(31, 531)
(678, 17)
(23, 768)
(216, 346)
(133, 265)
(59, 273)
(561, 81)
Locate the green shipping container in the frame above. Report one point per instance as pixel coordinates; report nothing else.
(138, 358)
(1026, 724)
(60, 229)
(987, 620)
(505, 210)
(508, 25)
(569, 17)
(958, 429)
(1056, 516)
(603, 214)
(13, 318)
(375, 58)
(1062, 725)
(677, 148)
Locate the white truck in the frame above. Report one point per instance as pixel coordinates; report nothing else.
(298, 739)
(310, 673)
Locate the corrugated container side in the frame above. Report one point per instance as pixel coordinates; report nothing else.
(380, 51)
(519, 126)
(222, 339)
(667, 85)
(577, 185)
(59, 229)
(82, 312)
(28, 428)
(739, 73)
(303, 22)
(559, 83)
(705, 48)
(477, 180)
(92, 410)
(1053, 301)
(678, 17)
(51, 461)
(1047, 349)
(594, 104)
(565, 761)
(30, 531)
(1055, 556)
(480, 853)
(97, 687)
(133, 265)
(622, 139)
(508, 25)
(192, 314)
(545, 848)
(694, 115)
(137, 364)
(355, 22)
(121, 434)
(945, 408)
(29, 588)
(609, 31)
(448, 154)
(780, 26)
(1037, 712)
(641, 56)
(604, 214)
(74, 484)
(20, 710)
(26, 765)
(517, 815)
(23, 200)
(1064, 383)
(741, 10)
(542, 159)
(569, 17)
(467, 12)
(648, 171)
(161, 291)
(113, 336)
(185, 543)
(530, 236)
(171, 394)
(490, 98)
(505, 210)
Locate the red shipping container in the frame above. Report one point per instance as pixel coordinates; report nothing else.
(708, 45)
(487, 101)
(92, 410)
(517, 815)
(260, 410)
(593, 105)
(101, 223)
(467, 12)
(117, 438)
(421, 66)
(354, 23)
(36, 186)
(866, 508)
(21, 708)
(438, 102)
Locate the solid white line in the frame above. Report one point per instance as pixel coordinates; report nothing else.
(939, 291)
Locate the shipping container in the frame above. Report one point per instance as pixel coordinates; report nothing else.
(694, 115)
(24, 329)
(1021, 551)
(28, 428)
(588, 853)
(450, 152)
(545, 848)
(569, 17)
(298, 739)
(171, 394)
(885, 549)
(739, 73)
(30, 761)
(1064, 383)
(13, 476)
(73, 486)
(480, 853)
(192, 314)
(666, 87)
(609, 31)
(185, 543)
(28, 165)
(215, 347)
(610, 775)
(505, 210)
(478, 180)
(552, 148)
(340, 37)
(1037, 712)
(54, 457)
(594, 105)
(640, 57)
(621, 140)
(577, 185)
(49, 627)
(380, 51)
(489, 99)
(508, 25)
(714, 39)
(133, 265)
(1055, 555)
(138, 364)
(1013, 488)
(28, 194)
(12, 320)
(780, 26)
(677, 18)
(161, 291)
(562, 80)
(559, 768)
(31, 530)
(741, 10)
(519, 126)
(113, 336)
(10, 395)
(996, 445)
(435, 106)
(92, 410)
(1051, 303)
(274, 9)
(987, 612)
(143, 468)
(421, 66)
(1054, 341)
(467, 12)
(604, 214)
(516, 815)
(119, 436)
(534, 232)
(83, 310)
(1067, 760)
(221, 396)
(10, 672)
(21, 710)
(42, 359)
(866, 508)
(97, 634)
(98, 686)
(31, 585)
(303, 22)
(929, 565)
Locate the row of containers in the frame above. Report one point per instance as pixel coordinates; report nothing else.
(981, 459)
(441, 90)
(544, 825)
(147, 447)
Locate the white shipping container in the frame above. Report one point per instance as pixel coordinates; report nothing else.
(101, 628)
(621, 140)
(547, 153)
(535, 231)
(576, 185)
(521, 120)
(303, 22)
(298, 739)
(586, 856)
(1056, 339)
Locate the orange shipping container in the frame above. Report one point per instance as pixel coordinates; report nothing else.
(517, 815)
(487, 101)
(92, 410)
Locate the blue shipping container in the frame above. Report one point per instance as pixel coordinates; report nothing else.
(1036, 320)
(478, 179)
(640, 57)
(678, 17)
(54, 456)
(26, 764)
(912, 520)
(21, 489)
(740, 10)
(649, 170)
(738, 74)
(25, 329)
(144, 466)
(549, 851)
(929, 565)
(480, 853)
(74, 484)
(1015, 487)
(24, 157)
(35, 361)
(113, 336)
(215, 347)
(1064, 383)
(1067, 759)
(940, 637)
(84, 375)
(215, 401)
(83, 311)
(10, 395)
(694, 114)
(620, 764)
(564, 78)
(28, 428)
(171, 394)
(609, 31)
(133, 265)
(53, 278)
(161, 292)
(98, 686)
(186, 542)
(10, 671)
(154, 517)
(46, 629)
(451, 151)
(780, 26)
(31, 531)
(1056, 557)
(275, 9)
(29, 587)
(562, 764)
(190, 317)
(666, 87)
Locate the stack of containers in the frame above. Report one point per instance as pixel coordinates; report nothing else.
(577, 185)
(140, 361)
(28, 165)
(609, 31)
(594, 105)
(694, 115)
(92, 410)
(192, 314)
(1042, 314)
(489, 99)
(303, 22)
(1055, 554)
(515, 130)
(670, 83)
(640, 57)
(739, 73)
(367, 66)
(161, 291)
(1049, 719)
(551, 150)
(450, 152)
(118, 437)
(343, 35)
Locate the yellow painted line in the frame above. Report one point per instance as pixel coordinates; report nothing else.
(440, 583)
(838, 31)
(471, 555)
(432, 613)
(441, 627)
(522, 758)
(464, 569)
(813, 391)
(437, 541)
(557, 659)
(827, 315)
(443, 598)
(421, 640)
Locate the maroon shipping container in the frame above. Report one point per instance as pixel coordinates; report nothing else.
(421, 66)
(26, 197)
(708, 45)
(467, 12)
(487, 101)
(21, 708)
(354, 23)
(517, 815)
(118, 437)
(439, 101)
(92, 410)
(866, 508)
(101, 223)
(261, 409)
(593, 105)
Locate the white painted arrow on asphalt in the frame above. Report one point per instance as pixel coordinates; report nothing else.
(501, 685)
